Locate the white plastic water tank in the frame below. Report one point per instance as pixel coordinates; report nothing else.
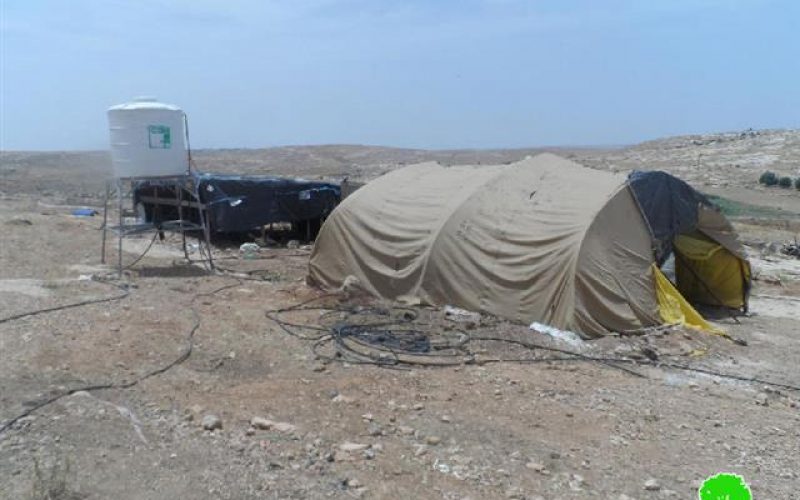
(148, 139)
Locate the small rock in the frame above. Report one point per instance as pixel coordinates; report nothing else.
(342, 399)
(445, 419)
(405, 430)
(418, 406)
(261, 423)
(536, 466)
(374, 429)
(433, 440)
(211, 422)
(267, 424)
(577, 483)
(284, 427)
(515, 494)
(652, 485)
(352, 447)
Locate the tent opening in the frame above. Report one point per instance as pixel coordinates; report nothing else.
(708, 274)
(699, 272)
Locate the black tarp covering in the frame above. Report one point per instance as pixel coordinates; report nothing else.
(241, 203)
(669, 204)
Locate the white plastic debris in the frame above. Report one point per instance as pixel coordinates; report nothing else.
(249, 250)
(457, 314)
(565, 336)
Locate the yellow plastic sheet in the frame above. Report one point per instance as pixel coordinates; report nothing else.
(674, 309)
(707, 273)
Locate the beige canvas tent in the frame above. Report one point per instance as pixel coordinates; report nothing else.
(544, 239)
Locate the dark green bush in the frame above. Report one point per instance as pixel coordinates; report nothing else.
(785, 182)
(768, 178)
(797, 183)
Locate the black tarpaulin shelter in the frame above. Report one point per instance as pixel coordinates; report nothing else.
(236, 203)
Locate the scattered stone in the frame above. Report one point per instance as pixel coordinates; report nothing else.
(652, 485)
(433, 440)
(515, 493)
(405, 430)
(266, 424)
(211, 422)
(445, 419)
(536, 467)
(353, 447)
(261, 423)
(418, 406)
(342, 399)
(374, 429)
(577, 482)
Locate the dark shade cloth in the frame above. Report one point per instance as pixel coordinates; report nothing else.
(669, 205)
(242, 203)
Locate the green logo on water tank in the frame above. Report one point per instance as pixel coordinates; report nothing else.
(158, 137)
(725, 487)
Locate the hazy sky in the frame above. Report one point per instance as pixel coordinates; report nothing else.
(412, 73)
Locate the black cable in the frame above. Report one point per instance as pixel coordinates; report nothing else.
(531, 345)
(343, 333)
(185, 354)
(125, 293)
(141, 256)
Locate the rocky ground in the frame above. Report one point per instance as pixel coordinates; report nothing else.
(255, 412)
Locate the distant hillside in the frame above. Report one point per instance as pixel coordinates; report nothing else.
(724, 163)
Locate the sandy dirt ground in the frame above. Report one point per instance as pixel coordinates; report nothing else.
(333, 428)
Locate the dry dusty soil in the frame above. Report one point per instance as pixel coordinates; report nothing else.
(541, 424)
